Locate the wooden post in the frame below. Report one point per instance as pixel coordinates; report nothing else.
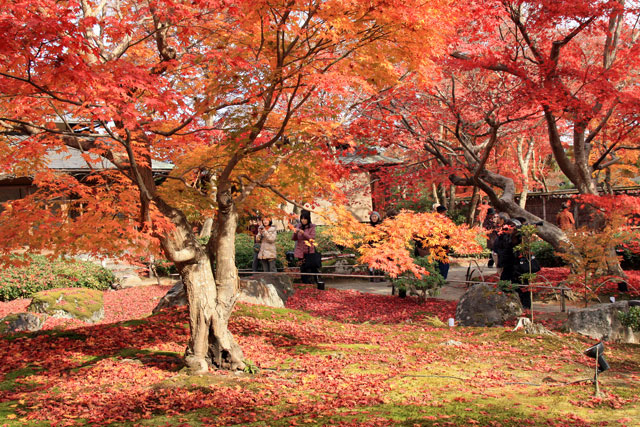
(595, 378)
(562, 301)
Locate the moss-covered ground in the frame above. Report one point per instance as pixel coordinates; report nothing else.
(315, 370)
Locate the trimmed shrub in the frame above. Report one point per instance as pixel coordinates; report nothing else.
(42, 274)
(631, 318)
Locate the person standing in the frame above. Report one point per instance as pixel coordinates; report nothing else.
(374, 221)
(268, 252)
(254, 226)
(304, 235)
(565, 219)
(499, 241)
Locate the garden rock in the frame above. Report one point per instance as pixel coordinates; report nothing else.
(270, 290)
(601, 322)
(483, 305)
(528, 327)
(130, 281)
(176, 296)
(69, 303)
(21, 322)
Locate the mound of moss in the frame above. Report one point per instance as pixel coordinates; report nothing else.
(73, 303)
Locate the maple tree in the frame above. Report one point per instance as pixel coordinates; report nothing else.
(558, 76)
(389, 245)
(239, 95)
(575, 62)
(468, 129)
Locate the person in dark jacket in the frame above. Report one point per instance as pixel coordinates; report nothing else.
(305, 249)
(374, 221)
(509, 258)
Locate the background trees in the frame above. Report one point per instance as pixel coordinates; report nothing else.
(526, 80)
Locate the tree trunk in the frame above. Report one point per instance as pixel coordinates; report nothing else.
(523, 196)
(225, 351)
(434, 189)
(471, 216)
(207, 226)
(210, 301)
(211, 343)
(452, 198)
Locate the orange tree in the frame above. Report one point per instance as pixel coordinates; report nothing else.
(389, 246)
(239, 95)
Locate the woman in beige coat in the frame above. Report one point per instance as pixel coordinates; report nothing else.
(268, 252)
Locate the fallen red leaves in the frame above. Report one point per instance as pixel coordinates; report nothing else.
(121, 305)
(354, 306)
(313, 370)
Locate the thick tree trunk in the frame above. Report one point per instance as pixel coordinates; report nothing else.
(210, 302)
(211, 343)
(506, 203)
(225, 351)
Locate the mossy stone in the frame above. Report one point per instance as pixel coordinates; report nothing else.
(74, 303)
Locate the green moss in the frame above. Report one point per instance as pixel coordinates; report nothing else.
(80, 303)
(270, 313)
(208, 382)
(9, 418)
(10, 379)
(196, 418)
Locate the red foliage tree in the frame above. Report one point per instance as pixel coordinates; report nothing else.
(237, 94)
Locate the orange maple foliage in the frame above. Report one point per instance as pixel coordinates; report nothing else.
(389, 246)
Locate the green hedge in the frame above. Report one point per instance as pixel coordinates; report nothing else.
(41, 274)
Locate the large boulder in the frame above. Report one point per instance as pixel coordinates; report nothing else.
(272, 290)
(21, 322)
(69, 303)
(483, 305)
(601, 322)
(269, 289)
